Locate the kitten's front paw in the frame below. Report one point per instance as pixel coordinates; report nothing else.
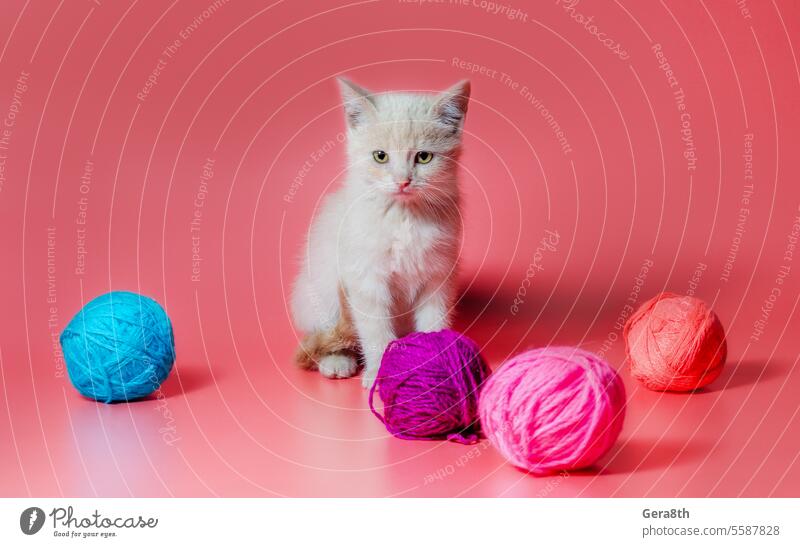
(368, 377)
(338, 366)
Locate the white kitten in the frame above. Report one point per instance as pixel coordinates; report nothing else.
(382, 251)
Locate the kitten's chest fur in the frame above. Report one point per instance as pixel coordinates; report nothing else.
(406, 247)
(407, 243)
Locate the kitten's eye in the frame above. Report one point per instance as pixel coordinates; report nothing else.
(424, 157)
(380, 156)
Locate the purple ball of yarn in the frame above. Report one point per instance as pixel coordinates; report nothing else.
(429, 384)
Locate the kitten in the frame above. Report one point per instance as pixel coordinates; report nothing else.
(382, 251)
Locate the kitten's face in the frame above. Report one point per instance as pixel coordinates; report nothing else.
(404, 147)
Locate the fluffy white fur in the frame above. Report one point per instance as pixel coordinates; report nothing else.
(390, 237)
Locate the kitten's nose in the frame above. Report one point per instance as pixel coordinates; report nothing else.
(404, 184)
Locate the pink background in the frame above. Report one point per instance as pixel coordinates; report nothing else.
(252, 88)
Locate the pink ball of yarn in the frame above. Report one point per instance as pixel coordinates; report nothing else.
(553, 409)
(675, 343)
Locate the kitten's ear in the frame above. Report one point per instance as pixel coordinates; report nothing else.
(450, 107)
(358, 104)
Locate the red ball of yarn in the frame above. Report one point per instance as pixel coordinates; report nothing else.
(675, 343)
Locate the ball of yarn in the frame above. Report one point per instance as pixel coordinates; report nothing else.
(118, 347)
(429, 384)
(675, 343)
(553, 409)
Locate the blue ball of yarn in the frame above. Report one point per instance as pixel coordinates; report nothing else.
(119, 347)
